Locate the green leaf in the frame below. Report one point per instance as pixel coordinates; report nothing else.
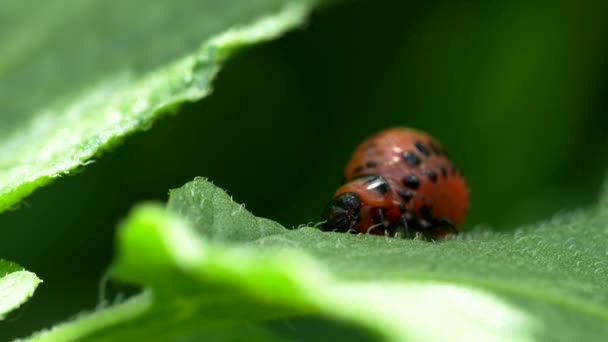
(16, 286)
(209, 265)
(210, 211)
(76, 77)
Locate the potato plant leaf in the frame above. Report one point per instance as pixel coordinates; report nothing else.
(210, 266)
(78, 76)
(16, 286)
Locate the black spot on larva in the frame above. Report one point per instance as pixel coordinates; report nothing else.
(402, 207)
(378, 183)
(444, 222)
(432, 175)
(422, 148)
(453, 170)
(410, 158)
(406, 194)
(426, 212)
(443, 170)
(358, 169)
(371, 163)
(379, 215)
(436, 149)
(411, 181)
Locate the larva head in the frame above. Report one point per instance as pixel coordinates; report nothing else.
(364, 204)
(343, 212)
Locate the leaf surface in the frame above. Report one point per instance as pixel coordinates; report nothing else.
(76, 77)
(16, 286)
(208, 264)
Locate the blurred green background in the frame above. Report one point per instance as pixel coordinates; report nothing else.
(516, 90)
